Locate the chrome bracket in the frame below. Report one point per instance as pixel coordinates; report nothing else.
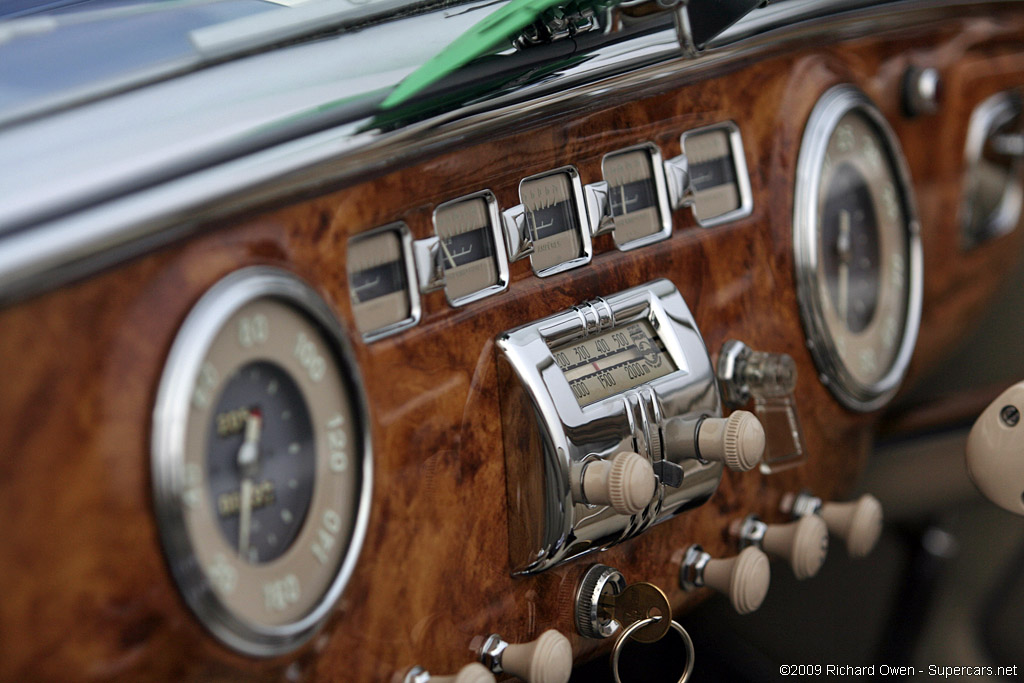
(599, 208)
(429, 265)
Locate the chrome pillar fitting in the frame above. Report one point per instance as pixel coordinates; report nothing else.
(800, 504)
(429, 265)
(491, 652)
(599, 208)
(677, 177)
(691, 570)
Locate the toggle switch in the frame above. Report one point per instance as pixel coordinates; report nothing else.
(744, 579)
(626, 483)
(995, 451)
(738, 440)
(857, 522)
(803, 544)
(548, 659)
(471, 673)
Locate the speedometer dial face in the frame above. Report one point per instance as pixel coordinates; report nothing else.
(260, 464)
(857, 250)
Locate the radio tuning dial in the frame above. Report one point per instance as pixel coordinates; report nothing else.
(625, 482)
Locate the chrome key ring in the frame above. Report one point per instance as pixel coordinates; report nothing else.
(636, 626)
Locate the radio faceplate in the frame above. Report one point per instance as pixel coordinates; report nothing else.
(586, 384)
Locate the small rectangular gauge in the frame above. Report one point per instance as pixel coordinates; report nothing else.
(472, 250)
(602, 366)
(555, 221)
(718, 174)
(379, 274)
(637, 195)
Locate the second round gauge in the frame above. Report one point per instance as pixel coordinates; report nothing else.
(857, 249)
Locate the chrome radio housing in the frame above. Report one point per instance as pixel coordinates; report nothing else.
(549, 437)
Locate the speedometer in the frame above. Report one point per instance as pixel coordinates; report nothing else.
(857, 249)
(261, 467)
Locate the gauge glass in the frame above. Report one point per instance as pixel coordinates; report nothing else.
(553, 219)
(858, 250)
(712, 173)
(863, 246)
(472, 252)
(635, 195)
(260, 475)
(610, 363)
(379, 276)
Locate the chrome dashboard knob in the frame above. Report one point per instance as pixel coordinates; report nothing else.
(548, 659)
(857, 522)
(744, 579)
(803, 544)
(738, 441)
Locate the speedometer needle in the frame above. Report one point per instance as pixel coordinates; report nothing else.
(248, 455)
(844, 248)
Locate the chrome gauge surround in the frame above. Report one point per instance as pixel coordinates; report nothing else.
(657, 171)
(550, 437)
(739, 163)
(409, 270)
(175, 495)
(519, 241)
(852, 392)
(498, 237)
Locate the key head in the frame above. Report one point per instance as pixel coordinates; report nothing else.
(641, 601)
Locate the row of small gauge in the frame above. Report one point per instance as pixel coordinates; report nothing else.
(468, 256)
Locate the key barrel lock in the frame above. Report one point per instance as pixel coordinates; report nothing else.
(606, 606)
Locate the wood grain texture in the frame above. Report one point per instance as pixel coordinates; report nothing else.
(87, 593)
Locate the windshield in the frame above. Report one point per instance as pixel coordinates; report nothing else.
(57, 52)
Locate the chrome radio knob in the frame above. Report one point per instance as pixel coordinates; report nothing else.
(626, 483)
(738, 441)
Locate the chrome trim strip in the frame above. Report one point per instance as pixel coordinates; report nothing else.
(131, 203)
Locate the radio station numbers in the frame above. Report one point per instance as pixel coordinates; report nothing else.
(618, 360)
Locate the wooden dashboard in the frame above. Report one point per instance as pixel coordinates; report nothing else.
(88, 595)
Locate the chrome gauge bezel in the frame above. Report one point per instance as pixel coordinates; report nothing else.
(497, 234)
(415, 310)
(660, 188)
(739, 164)
(833, 105)
(170, 426)
(583, 223)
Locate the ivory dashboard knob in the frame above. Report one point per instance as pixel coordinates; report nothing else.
(803, 544)
(548, 659)
(743, 578)
(471, 673)
(626, 482)
(995, 451)
(859, 523)
(738, 440)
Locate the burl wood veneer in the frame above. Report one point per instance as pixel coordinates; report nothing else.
(87, 594)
